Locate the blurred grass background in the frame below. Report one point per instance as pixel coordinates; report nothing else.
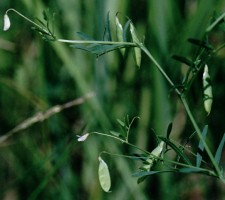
(44, 161)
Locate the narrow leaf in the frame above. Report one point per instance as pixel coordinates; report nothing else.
(84, 36)
(200, 43)
(121, 123)
(119, 34)
(104, 176)
(107, 33)
(177, 150)
(125, 29)
(189, 170)
(220, 149)
(169, 129)
(45, 15)
(41, 22)
(195, 170)
(141, 179)
(201, 147)
(98, 49)
(136, 50)
(183, 60)
(136, 156)
(115, 133)
(148, 173)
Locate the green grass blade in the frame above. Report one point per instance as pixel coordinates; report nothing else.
(220, 149)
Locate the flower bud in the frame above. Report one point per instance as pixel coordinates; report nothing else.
(6, 22)
(83, 137)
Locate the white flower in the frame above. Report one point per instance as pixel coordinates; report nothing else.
(83, 137)
(6, 22)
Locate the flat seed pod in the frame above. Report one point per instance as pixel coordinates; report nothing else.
(207, 87)
(119, 34)
(156, 152)
(104, 176)
(137, 50)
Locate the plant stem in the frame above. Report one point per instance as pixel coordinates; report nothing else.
(184, 101)
(32, 22)
(143, 48)
(96, 42)
(215, 22)
(121, 140)
(198, 131)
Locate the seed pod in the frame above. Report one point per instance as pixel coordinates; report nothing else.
(119, 34)
(104, 176)
(6, 23)
(155, 153)
(137, 50)
(207, 88)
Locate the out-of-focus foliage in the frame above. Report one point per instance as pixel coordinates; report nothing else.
(45, 161)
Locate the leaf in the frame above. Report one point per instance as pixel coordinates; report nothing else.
(41, 22)
(125, 29)
(136, 156)
(200, 43)
(121, 123)
(201, 147)
(45, 15)
(148, 173)
(116, 133)
(107, 32)
(136, 50)
(220, 149)
(84, 36)
(169, 129)
(119, 33)
(190, 170)
(183, 60)
(98, 49)
(177, 150)
(141, 179)
(104, 176)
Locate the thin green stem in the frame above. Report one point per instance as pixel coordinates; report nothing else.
(121, 140)
(215, 22)
(198, 131)
(143, 48)
(131, 44)
(219, 48)
(183, 99)
(129, 127)
(32, 22)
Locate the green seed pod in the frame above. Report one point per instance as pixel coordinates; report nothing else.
(137, 50)
(119, 34)
(207, 87)
(104, 176)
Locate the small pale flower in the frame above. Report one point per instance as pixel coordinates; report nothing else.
(6, 22)
(83, 137)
